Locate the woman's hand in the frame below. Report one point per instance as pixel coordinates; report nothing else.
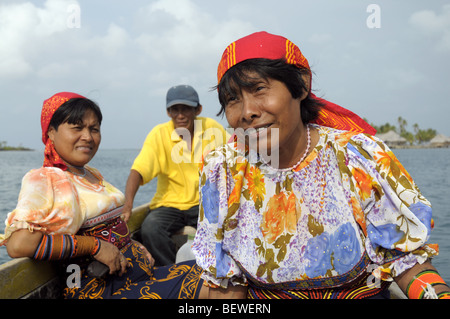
(146, 253)
(111, 256)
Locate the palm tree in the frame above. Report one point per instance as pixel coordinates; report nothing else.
(402, 124)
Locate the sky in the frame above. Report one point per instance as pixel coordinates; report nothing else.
(380, 59)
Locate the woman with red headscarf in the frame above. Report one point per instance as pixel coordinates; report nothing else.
(68, 212)
(304, 202)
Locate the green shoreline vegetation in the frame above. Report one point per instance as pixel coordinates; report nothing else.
(417, 138)
(4, 147)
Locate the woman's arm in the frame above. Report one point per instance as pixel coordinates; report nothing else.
(413, 275)
(23, 243)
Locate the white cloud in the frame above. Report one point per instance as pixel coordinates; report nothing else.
(182, 10)
(115, 39)
(21, 26)
(188, 36)
(435, 25)
(173, 35)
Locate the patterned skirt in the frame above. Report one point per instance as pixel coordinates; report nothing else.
(141, 281)
(358, 290)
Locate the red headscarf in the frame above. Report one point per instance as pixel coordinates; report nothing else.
(51, 157)
(269, 46)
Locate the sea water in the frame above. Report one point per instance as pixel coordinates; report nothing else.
(428, 167)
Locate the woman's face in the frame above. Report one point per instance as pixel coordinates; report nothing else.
(265, 110)
(77, 143)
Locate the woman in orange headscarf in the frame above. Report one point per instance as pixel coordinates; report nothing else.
(304, 202)
(68, 212)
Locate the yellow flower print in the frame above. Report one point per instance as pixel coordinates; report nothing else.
(281, 216)
(255, 184)
(238, 171)
(236, 192)
(401, 167)
(364, 181)
(342, 139)
(383, 160)
(307, 160)
(388, 162)
(359, 214)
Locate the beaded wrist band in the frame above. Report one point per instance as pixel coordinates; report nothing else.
(418, 285)
(444, 295)
(57, 247)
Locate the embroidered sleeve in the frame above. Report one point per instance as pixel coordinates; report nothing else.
(395, 216)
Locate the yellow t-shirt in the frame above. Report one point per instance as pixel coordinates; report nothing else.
(167, 156)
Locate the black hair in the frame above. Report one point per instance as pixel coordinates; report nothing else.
(238, 77)
(72, 112)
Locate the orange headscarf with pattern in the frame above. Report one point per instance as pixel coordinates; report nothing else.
(270, 46)
(51, 157)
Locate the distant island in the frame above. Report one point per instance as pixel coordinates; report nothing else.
(5, 147)
(400, 137)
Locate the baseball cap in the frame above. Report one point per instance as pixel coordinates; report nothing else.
(182, 94)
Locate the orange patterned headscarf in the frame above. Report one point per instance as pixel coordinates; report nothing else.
(51, 157)
(270, 46)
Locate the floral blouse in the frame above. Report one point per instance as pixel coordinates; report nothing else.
(58, 202)
(349, 208)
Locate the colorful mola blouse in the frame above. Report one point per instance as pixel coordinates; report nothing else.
(58, 202)
(349, 208)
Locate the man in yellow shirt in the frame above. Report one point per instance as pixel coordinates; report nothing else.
(172, 152)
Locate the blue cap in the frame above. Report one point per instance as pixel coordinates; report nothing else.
(182, 94)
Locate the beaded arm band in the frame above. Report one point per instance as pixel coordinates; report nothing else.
(418, 288)
(57, 247)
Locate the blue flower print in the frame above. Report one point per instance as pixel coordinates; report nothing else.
(222, 262)
(384, 235)
(423, 212)
(210, 202)
(345, 248)
(318, 254)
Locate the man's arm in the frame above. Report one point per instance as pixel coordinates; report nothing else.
(133, 183)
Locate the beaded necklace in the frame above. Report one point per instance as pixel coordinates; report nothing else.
(78, 168)
(304, 154)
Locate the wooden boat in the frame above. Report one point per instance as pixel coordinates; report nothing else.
(25, 278)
